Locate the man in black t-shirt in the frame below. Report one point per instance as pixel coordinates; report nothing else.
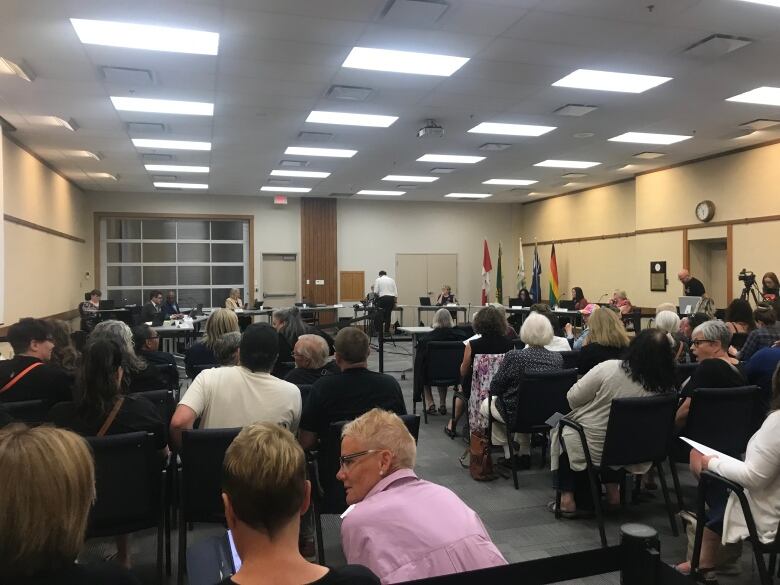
(692, 287)
(347, 395)
(29, 376)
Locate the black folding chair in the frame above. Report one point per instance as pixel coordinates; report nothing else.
(759, 548)
(200, 482)
(517, 343)
(200, 367)
(684, 371)
(542, 394)
(639, 430)
(31, 412)
(442, 367)
(571, 359)
(128, 486)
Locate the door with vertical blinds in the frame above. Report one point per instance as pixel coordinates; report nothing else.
(420, 275)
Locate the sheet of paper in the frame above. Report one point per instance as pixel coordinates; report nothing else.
(553, 421)
(704, 450)
(472, 338)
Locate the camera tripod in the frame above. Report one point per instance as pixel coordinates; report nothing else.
(751, 290)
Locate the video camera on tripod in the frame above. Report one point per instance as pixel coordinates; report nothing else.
(751, 287)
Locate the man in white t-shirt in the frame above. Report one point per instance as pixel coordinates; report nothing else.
(236, 396)
(387, 294)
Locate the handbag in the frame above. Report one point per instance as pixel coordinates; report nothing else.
(480, 462)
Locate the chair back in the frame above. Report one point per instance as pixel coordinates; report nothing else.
(484, 368)
(334, 499)
(738, 340)
(684, 371)
(517, 343)
(723, 418)
(164, 402)
(200, 367)
(571, 359)
(202, 454)
(30, 412)
(443, 364)
(305, 391)
(542, 394)
(639, 430)
(128, 484)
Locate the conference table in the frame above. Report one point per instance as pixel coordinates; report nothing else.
(415, 332)
(575, 316)
(465, 309)
(188, 330)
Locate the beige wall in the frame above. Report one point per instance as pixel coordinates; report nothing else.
(44, 274)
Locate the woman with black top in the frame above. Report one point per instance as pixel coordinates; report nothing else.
(490, 325)
(740, 322)
(445, 296)
(88, 311)
(580, 302)
(290, 326)
(607, 340)
(524, 298)
(64, 354)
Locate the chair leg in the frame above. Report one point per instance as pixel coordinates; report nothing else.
(700, 516)
(546, 436)
(318, 534)
(160, 542)
(512, 460)
(558, 503)
(595, 491)
(181, 561)
(667, 499)
(765, 577)
(676, 481)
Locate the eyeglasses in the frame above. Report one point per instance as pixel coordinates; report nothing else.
(698, 342)
(345, 461)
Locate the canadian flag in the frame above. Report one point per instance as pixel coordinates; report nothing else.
(487, 266)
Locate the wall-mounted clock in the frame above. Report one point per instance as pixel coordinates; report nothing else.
(705, 210)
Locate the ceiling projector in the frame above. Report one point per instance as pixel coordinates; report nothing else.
(431, 129)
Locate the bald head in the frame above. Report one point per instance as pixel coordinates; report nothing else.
(683, 275)
(310, 351)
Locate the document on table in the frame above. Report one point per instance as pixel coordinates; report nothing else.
(704, 450)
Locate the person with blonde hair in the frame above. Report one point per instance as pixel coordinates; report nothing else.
(265, 492)
(403, 528)
(607, 340)
(46, 490)
(220, 321)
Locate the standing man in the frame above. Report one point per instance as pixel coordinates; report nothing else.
(152, 311)
(387, 294)
(692, 287)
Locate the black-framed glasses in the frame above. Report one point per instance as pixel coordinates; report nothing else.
(698, 342)
(346, 460)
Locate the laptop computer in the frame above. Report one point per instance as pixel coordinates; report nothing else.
(107, 305)
(568, 305)
(688, 305)
(425, 301)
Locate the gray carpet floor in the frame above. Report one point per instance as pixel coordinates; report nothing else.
(517, 520)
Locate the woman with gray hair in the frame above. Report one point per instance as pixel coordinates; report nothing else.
(443, 330)
(137, 374)
(717, 369)
(536, 332)
(405, 528)
(226, 349)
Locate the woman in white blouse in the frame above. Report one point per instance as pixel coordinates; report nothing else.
(759, 474)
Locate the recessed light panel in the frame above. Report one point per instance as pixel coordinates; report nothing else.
(649, 155)
(106, 176)
(144, 36)
(767, 96)
(451, 158)
(305, 174)
(775, 3)
(330, 152)
(410, 178)
(170, 144)
(166, 185)
(511, 129)
(567, 164)
(177, 168)
(469, 195)
(649, 138)
(375, 192)
(318, 117)
(156, 106)
(403, 61)
(286, 189)
(21, 70)
(69, 124)
(517, 182)
(84, 154)
(610, 81)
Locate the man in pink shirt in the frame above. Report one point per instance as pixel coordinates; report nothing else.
(401, 527)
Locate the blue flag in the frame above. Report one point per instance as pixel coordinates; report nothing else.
(536, 277)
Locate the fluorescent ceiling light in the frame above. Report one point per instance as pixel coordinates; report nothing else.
(649, 138)
(403, 61)
(309, 174)
(567, 164)
(332, 152)
(108, 176)
(610, 81)
(165, 185)
(768, 96)
(649, 155)
(170, 144)
(511, 129)
(410, 178)
(351, 119)
(145, 36)
(775, 3)
(69, 124)
(286, 189)
(450, 158)
(520, 182)
(469, 195)
(155, 106)
(84, 154)
(177, 168)
(21, 69)
(373, 192)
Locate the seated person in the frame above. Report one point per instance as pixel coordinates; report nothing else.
(687, 325)
(580, 302)
(170, 308)
(558, 342)
(311, 360)
(147, 347)
(490, 324)
(524, 298)
(404, 528)
(138, 376)
(740, 321)
(349, 394)
(88, 311)
(536, 333)
(445, 296)
(152, 311)
(265, 493)
(759, 370)
(767, 331)
(220, 321)
(443, 330)
(578, 341)
(29, 375)
(290, 325)
(647, 369)
(668, 321)
(620, 300)
(607, 340)
(236, 396)
(759, 474)
(49, 481)
(716, 368)
(234, 301)
(64, 355)
(226, 349)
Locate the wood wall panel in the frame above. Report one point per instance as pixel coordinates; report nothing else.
(318, 250)
(352, 285)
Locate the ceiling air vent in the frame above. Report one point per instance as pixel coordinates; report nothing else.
(575, 110)
(318, 137)
(342, 195)
(154, 157)
(145, 128)
(349, 92)
(293, 163)
(494, 146)
(416, 13)
(716, 45)
(127, 76)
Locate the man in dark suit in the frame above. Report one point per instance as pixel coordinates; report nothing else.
(147, 347)
(170, 307)
(152, 311)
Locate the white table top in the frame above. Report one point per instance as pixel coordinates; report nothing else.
(416, 330)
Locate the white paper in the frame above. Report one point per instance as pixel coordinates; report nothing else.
(704, 450)
(472, 338)
(347, 511)
(338, 306)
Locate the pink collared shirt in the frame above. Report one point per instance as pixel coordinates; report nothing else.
(407, 528)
